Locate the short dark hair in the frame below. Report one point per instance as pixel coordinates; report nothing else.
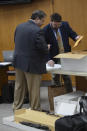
(38, 14)
(56, 17)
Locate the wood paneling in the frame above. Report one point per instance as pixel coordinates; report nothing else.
(74, 11)
(12, 15)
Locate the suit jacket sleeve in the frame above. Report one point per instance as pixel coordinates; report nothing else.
(72, 34)
(40, 42)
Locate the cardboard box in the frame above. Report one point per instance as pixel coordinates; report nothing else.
(76, 61)
(68, 103)
(66, 108)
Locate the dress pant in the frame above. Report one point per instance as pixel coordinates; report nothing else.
(32, 82)
(66, 78)
(67, 82)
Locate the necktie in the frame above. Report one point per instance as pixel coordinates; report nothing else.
(60, 43)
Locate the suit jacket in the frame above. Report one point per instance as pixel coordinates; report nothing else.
(30, 48)
(66, 33)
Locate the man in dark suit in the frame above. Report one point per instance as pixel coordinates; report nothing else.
(30, 55)
(57, 35)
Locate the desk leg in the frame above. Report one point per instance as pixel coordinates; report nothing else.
(3, 78)
(54, 91)
(81, 83)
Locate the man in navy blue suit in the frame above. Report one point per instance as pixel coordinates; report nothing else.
(57, 34)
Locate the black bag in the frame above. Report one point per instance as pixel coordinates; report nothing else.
(76, 122)
(81, 127)
(72, 123)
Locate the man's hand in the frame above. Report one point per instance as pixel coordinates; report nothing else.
(78, 37)
(51, 63)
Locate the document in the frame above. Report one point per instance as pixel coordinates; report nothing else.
(50, 68)
(77, 42)
(5, 63)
